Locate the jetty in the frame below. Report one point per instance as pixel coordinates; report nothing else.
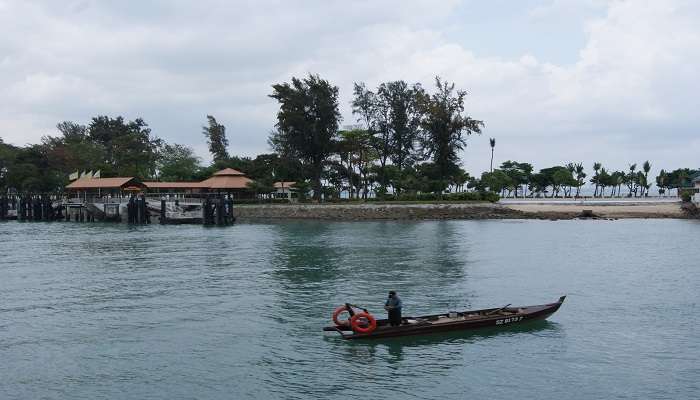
(129, 200)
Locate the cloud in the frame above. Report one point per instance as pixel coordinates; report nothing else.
(629, 95)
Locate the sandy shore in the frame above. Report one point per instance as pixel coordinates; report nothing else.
(418, 211)
(635, 210)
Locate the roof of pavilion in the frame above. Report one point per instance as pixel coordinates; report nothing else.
(284, 184)
(227, 179)
(104, 183)
(175, 185)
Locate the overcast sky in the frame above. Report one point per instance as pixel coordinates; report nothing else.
(554, 80)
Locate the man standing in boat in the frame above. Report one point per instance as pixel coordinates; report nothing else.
(393, 306)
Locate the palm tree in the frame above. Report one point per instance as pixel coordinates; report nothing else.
(596, 168)
(632, 181)
(571, 167)
(646, 167)
(580, 176)
(492, 142)
(603, 181)
(661, 181)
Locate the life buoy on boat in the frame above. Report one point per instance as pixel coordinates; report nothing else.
(363, 322)
(336, 315)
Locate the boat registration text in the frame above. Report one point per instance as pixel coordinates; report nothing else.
(508, 320)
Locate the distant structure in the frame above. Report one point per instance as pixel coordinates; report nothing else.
(100, 187)
(227, 181)
(283, 191)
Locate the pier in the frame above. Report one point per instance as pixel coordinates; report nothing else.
(207, 209)
(129, 200)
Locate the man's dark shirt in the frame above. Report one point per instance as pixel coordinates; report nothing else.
(394, 302)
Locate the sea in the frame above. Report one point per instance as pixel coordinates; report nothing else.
(111, 311)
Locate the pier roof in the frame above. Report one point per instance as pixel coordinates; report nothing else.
(229, 172)
(227, 179)
(104, 183)
(175, 185)
(227, 182)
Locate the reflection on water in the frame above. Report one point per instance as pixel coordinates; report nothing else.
(162, 312)
(453, 343)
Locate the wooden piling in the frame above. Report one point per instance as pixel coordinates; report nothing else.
(219, 211)
(3, 208)
(229, 210)
(131, 210)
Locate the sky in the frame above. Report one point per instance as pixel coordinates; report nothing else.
(553, 80)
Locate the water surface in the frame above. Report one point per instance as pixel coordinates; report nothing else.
(93, 311)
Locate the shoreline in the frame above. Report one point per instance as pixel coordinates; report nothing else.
(465, 211)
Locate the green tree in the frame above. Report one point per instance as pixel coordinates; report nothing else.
(497, 181)
(74, 150)
(632, 180)
(580, 177)
(362, 155)
(216, 139)
(646, 185)
(519, 174)
(604, 180)
(301, 189)
(446, 126)
(403, 103)
(177, 163)
(594, 179)
(492, 143)
(129, 148)
(662, 182)
(307, 122)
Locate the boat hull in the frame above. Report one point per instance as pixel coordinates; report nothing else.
(482, 320)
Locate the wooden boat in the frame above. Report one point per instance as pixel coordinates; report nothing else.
(453, 321)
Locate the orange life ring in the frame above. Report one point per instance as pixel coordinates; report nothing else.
(337, 313)
(363, 322)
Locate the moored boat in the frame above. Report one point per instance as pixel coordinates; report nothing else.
(362, 325)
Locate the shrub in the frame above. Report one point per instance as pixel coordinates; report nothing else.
(686, 195)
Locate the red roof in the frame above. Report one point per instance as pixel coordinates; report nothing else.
(175, 185)
(227, 182)
(229, 172)
(103, 183)
(283, 184)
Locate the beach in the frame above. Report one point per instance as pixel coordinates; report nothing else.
(667, 208)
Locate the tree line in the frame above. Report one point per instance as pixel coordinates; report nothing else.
(405, 142)
(518, 179)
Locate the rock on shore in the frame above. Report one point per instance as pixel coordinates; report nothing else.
(373, 211)
(437, 211)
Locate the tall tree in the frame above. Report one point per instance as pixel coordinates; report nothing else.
(580, 176)
(662, 182)
(177, 163)
(216, 139)
(594, 179)
(374, 115)
(129, 147)
(492, 142)
(632, 180)
(405, 116)
(446, 127)
(360, 155)
(307, 122)
(646, 167)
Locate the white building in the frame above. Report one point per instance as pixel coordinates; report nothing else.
(283, 191)
(696, 185)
